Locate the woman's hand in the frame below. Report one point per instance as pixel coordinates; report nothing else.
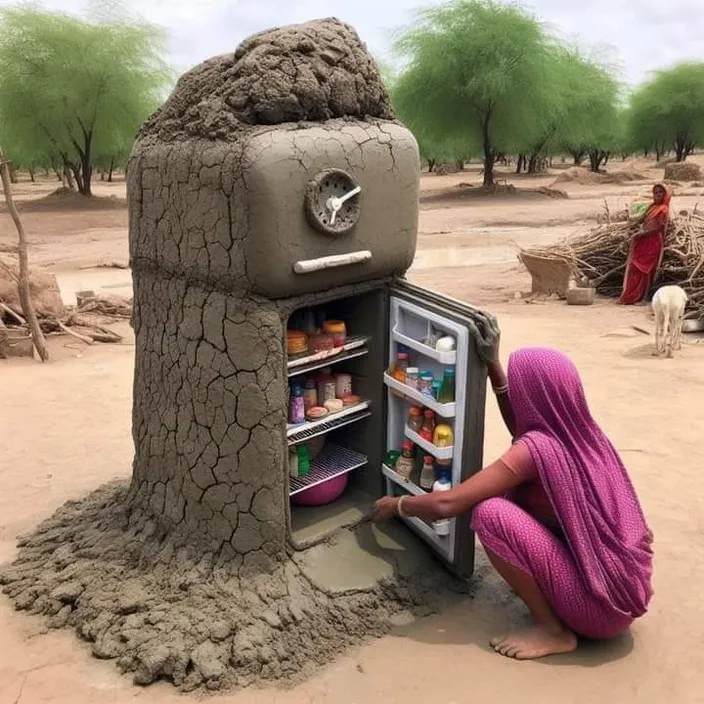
(385, 508)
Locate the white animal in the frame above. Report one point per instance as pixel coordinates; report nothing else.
(668, 306)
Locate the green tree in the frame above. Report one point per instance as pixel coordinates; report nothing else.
(667, 111)
(71, 89)
(476, 77)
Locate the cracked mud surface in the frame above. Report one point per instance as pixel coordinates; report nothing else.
(186, 574)
(192, 620)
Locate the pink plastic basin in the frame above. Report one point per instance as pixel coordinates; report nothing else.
(324, 493)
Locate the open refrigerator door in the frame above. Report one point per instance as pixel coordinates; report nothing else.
(436, 390)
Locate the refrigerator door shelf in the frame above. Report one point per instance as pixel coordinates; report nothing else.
(444, 358)
(439, 453)
(405, 484)
(426, 529)
(444, 410)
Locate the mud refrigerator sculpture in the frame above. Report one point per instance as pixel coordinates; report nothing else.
(232, 239)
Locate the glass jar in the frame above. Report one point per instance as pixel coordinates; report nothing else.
(337, 330)
(412, 379)
(425, 385)
(415, 419)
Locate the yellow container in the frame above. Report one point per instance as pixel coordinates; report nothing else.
(443, 437)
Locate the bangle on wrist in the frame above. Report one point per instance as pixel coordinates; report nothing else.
(399, 508)
(500, 390)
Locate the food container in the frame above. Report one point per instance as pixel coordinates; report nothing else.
(337, 330)
(296, 343)
(316, 413)
(425, 385)
(443, 437)
(415, 419)
(322, 494)
(326, 387)
(412, 379)
(310, 395)
(343, 385)
(320, 342)
(351, 400)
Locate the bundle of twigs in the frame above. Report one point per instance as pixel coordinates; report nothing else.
(600, 256)
(86, 323)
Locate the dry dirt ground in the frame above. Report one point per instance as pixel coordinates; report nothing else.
(66, 429)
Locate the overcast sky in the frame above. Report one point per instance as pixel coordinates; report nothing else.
(638, 34)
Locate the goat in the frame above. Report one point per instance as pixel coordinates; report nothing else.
(668, 306)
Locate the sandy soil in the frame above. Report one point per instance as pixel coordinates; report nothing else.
(66, 430)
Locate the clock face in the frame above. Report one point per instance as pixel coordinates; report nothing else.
(332, 202)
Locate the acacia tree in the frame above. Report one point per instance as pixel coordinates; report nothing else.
(668, 111)
(591, 125)
(476, 76)
(69, 88)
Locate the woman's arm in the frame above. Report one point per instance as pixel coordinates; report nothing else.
(499, 383)
(493, 480)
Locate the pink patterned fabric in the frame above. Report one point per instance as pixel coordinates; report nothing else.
(598, 578)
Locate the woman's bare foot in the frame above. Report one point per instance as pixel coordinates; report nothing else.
(533, 643)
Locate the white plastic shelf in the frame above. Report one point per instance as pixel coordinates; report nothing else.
(427, 529)
(405, 484)
(354, 347)
(331, 462)
(310, 429)
(444, 410)
(439, 453)
(447, 358)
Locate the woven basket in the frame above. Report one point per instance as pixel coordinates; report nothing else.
(549, 275)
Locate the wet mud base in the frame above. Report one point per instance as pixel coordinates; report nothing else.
(198, 619)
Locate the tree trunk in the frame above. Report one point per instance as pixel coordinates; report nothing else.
(13, 173)
(31, 175)
(488, 152)
(112, 168)
(459, 164)
(520, 163)
(577, 156)
(432, 163)
(25, 297)
(84, 188)
(596, 157)
(534, 163)
(68, 179)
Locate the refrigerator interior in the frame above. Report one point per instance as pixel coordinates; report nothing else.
(411, 326)
(350, 442)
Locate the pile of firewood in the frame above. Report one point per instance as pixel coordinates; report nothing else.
(86, 322)
(600, 256)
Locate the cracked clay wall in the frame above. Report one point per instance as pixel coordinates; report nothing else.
(215, 187)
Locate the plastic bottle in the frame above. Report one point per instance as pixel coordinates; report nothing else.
(427, 473)
(303, 460)
(428, 429)
(405, 463)
(401, 366)
(297, 411)
(447, 390)
(442, 483)
(415, 418)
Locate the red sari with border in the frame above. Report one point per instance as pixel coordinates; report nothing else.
(645, 254)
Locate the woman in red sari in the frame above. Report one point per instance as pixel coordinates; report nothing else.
(647, 247)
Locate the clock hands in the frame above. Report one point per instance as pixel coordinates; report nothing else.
(334, 204)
